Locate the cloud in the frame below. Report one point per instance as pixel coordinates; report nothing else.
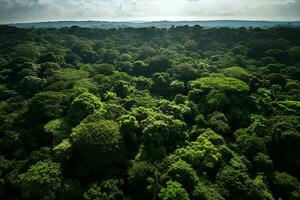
(25, 10)
(51, 10)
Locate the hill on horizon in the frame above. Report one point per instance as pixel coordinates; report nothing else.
(158, 24)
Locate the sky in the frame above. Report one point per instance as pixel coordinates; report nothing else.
(12, 11)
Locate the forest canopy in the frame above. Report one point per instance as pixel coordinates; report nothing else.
(145, 113)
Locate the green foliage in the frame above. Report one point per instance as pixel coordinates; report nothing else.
(139, 174)
(82, 106)
(294, 53)
(191, 45)
(45, 106)
(203, 154)
(161, 83)
(219, 123)
(206, 192)
(185, 72)
(216, 100)
(195, 95)
(139, 68)
(263, 163)
(71, 189)
(62, 152)
(28, 49)
(142, 83)
(58, 128)
(108, 189)
(234, 180)
(291, 106)
(99, 143)
(149, 113)
(122, 88)
(284, 185)
(250, 145)
(183, 173)
(228, 84)
(42, 180)
(237, 72)
(159, 64)
(173, 191)
(260, 189)
(49, 68)
(163, 130)
(30, 85)
(106, 69)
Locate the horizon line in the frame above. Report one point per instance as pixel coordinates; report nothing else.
(149, 21)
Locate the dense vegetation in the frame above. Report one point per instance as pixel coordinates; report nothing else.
(180, 113)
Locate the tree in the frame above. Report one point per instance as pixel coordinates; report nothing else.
(146, 52)
(237, 72)
(195, 95)
(250, 145)
(106, 69)
(262, 163)
(173, 191)
(280, 55)
(161, 83)
(139, 68)
(185, 72)
(71, 189)
(83, 105)
(59, 129)
(48, 68)
(122, 88)
(294, 53)
(163, 130)
(180, 99)
(139, 173)
(216, 100)
(206, 192)
(222, 83)
(257, 80)
(79, 46)
(25, 69)
(277, 79)
(63, 151)
(219, 123)
(42, 180)
(50, 57)
(260, 189)
(124, 66)
(142, 83)
(110, 56)
(108, 189)
(234, 180)
(177, 87)
(191, 45)
(159, 64)
(27, 49)
(129, 128)
(49, 105)
(99, 143)
(284, 185)
(183, 173)
(30, 85)
(276, 68)
(203, 154)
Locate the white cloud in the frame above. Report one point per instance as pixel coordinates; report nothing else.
(44, 10)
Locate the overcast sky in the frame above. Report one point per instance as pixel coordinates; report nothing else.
(147, 10)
